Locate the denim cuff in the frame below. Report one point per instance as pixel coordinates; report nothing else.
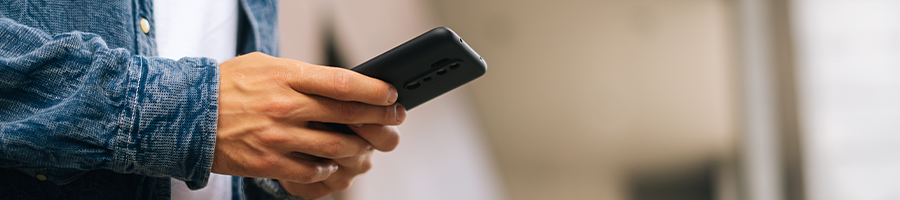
(174, 113)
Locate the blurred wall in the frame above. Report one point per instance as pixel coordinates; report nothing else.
(582, 98)
(849, 78)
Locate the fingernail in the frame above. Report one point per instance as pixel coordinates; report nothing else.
(392, 95)
(356, 125)
(401, 112)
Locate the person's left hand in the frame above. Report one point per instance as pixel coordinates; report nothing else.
(383, 138)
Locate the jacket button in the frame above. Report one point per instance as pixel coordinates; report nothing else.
(41, 177)
(145, 25)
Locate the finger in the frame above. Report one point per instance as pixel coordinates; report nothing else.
(320, 143)
(312, 171)
(323, 109)
(358, 164)
(341, 84)
(261, 160)
(339, 180)
(288, 168)
(384, 138)
(343, 178)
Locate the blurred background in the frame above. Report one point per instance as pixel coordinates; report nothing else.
(634, 99)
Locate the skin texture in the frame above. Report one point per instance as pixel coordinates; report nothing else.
(270, 111)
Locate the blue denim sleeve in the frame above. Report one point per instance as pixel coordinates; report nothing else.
(70, 104)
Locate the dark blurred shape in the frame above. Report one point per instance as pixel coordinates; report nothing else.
(695, 183)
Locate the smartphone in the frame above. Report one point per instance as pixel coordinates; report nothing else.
(424, 67)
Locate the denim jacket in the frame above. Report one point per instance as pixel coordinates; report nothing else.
(87, 110)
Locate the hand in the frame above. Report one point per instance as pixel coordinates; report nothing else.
(266, 105)
(348, 168)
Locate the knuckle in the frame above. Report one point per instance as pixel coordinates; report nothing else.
(281, 106)
(253, 55)
(258, 54)
(342, 84)
(389, 114)
(333, 148)
(280, 74)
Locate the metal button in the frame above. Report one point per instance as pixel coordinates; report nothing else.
(145, 25)
(41, 177)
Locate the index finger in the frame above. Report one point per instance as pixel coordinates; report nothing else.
(341, 84)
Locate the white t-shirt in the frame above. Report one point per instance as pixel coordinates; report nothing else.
(197, 28)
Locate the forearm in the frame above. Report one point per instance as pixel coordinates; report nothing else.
(69, 102)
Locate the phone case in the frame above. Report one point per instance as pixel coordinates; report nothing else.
(427, 66)
(423, 68)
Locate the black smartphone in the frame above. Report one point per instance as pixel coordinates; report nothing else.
(424, 67)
